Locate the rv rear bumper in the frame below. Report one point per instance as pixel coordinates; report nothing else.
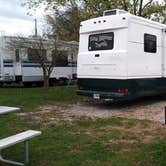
(102, 95)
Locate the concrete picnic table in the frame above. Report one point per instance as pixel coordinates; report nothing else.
(5, 109)
(12, 140)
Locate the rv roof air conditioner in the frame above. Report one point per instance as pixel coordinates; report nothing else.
(113, 12)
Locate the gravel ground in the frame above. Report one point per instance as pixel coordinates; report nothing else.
(153, 111)
(147, 108)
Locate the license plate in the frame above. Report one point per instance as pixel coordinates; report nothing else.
(96, 96)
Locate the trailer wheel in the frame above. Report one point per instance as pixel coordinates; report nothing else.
(53, 82)
(63, 81)
(1, 84)
(27, 84)
(39, 84)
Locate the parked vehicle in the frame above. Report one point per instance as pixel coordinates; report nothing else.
(121, 56)
(19, 65)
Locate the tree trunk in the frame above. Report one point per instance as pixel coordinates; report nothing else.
(46, 81)
(140, 8)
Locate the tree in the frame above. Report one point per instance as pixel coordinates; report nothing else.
(156, 12)
(96, 7)
(64, 19)
(40, 50)
(137, 7)
(66, 15)
(66, 23)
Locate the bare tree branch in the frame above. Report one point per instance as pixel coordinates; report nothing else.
(147, 4)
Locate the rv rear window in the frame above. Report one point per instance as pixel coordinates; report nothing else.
(150, 43)
(102, 41)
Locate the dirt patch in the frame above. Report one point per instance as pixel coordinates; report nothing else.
(144, 109)
(144, 131)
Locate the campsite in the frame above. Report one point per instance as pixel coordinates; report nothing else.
(83, 139)
(83, 83)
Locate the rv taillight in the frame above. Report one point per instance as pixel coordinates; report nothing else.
(81, 87)
(123, 91)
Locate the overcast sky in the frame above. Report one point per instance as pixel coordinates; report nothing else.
(14, 19)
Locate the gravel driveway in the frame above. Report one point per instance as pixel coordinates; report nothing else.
(147, 108)
(151, 111)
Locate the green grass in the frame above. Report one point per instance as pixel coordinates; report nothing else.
(115, 141)
(28, 98)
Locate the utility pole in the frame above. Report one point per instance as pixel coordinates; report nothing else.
(36, 27)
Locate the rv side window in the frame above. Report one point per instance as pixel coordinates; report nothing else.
(150, 43)
(102, 41)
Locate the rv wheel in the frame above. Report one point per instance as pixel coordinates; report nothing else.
(27, 84)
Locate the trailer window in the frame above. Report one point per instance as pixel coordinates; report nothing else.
(103, 41)
(36, 54)
(150, 43)
(60, 58)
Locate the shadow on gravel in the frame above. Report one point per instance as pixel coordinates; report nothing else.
(144, 101)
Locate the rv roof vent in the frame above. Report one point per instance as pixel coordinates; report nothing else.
(113, 12)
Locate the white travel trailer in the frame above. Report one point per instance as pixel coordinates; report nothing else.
(18, 65)
(121, 56)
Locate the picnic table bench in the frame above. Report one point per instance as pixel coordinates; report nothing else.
(12, 140)
(5, 110)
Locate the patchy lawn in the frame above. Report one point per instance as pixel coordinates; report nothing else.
(30, 98)
(69, 139)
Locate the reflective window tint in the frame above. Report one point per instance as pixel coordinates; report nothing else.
(150, 43)
(103, 41)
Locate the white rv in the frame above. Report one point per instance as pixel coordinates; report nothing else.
(121, 56)
(18, 65)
